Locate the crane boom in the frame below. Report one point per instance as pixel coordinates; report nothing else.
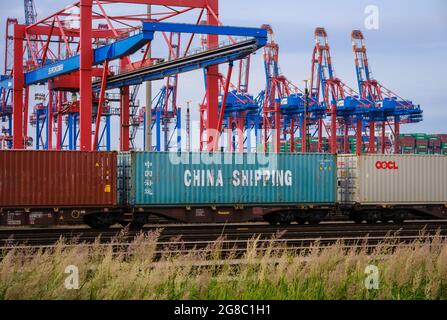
(30, 19)
(30, 12)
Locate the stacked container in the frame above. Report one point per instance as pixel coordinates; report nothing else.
(285, 146)
(313, 145)
(407, 144)
(434, 144)
(421, 143)
(443, 138)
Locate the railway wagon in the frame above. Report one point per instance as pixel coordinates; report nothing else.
(104, 188)
(56, 187)
(392, 187)
(226, 187)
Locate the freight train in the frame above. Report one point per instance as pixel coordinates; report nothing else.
(105, 188)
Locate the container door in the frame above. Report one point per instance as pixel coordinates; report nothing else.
(347, 179)
(124, 178)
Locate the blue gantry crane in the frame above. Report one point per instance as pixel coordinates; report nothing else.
(254, 39)
(344, 107)
(288, 111)
(6, 89)
(388, 107)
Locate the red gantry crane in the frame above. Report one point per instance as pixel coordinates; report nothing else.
(287, 109)
(65, 56)
(343, 106)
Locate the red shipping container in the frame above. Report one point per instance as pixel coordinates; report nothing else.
(407, 142)
(421, 143)
(435, 143)
(57, 179)
(313, 147)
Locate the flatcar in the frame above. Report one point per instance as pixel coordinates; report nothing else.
(105, 188)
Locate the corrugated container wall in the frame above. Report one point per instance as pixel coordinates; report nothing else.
(392, 179)
(124, 177)
(57, 179)
(166, 179)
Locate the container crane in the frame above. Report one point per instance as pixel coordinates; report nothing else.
(166, 114)
(30, 19)
(241, 110)
(287, 109)
(341, 103)
(6, 91)
(44, 112)
(85, 64)
(389, 107)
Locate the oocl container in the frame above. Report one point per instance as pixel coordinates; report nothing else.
(392, 179)
(171, 179)
(57, 179)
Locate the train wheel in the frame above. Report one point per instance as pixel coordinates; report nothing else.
(300, 220)
(271, 220)
(132, 225)
(285, 219)
(124, 224)
(285, 223)
(358, 219)
(97, 222)
(372, 217)
(399, 217)
(138, 222)
(314, 221)
(136, 226)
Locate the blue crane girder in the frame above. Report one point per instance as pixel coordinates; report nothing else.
(296, 104)
(116, 50)
(130, 45)
(5, 82)
(258, 33)
(239, 102)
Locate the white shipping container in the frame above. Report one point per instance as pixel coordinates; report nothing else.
(392, 179)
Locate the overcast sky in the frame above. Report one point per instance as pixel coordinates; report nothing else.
(407, 53)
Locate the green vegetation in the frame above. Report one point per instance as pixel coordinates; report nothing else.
(416, 271)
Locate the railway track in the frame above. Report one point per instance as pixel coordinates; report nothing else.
(186, 237)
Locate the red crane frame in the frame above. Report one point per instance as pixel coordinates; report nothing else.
(52, 26)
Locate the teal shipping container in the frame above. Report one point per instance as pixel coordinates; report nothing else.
(188, 179)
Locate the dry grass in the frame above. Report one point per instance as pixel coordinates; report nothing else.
(418, 271)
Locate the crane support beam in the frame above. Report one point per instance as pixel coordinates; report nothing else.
(85, 61)
(259, 33)
(212, 82)
(18, 141)
(171, 3)
(40, 30)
